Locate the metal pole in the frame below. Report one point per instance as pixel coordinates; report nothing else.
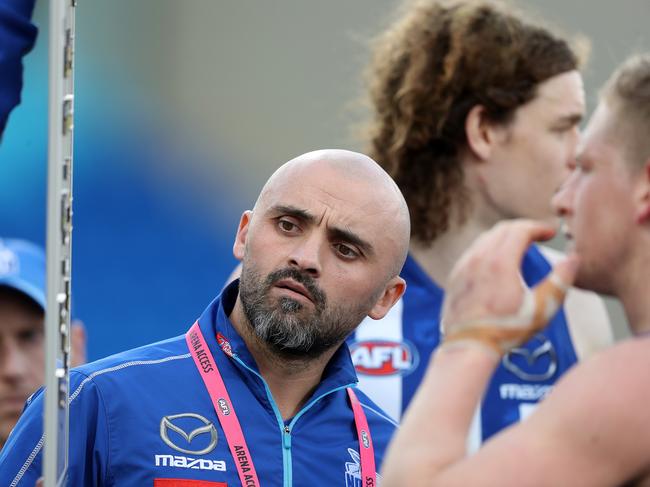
(59, 241)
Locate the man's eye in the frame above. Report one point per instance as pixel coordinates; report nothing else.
(287, 226)
(30, 336)
(346, 251)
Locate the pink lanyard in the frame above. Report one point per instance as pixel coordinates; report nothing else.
(224, 408)
(207, 367)
(366, 450)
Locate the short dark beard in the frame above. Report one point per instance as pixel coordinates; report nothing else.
(290, 330)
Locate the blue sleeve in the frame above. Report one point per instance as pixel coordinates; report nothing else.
(21, 457)
(17, 36)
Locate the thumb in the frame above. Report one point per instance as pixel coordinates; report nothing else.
(549, 294)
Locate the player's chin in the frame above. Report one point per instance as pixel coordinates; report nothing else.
(593, 278)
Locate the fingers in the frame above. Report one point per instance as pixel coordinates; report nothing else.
(501, 249)
(502, 333)
(487, 278)
(515, 236)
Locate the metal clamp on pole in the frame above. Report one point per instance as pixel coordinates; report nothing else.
(59, 241)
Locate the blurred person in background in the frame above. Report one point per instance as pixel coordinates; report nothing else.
(593, 428)
(475, 113)
(22, 314)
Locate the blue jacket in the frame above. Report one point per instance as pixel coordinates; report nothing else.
(132, 414)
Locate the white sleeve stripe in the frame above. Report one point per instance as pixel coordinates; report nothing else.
(74, 395)
(124, 366)
(29, 461)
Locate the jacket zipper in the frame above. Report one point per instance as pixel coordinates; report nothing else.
(285, 430)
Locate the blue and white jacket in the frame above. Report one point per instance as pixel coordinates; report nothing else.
(145, 414)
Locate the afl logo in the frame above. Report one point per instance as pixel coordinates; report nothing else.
(383, 357)
(223, 404)
(365, 441)
(224, 344)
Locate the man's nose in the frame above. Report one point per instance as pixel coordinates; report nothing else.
(563, 198)
(307, 254)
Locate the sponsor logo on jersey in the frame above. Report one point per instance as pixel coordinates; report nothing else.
(225, 345)
(534, 362)
(191, 433)
(190, 463)
(383, 357)
(353, 471)
(524, 392)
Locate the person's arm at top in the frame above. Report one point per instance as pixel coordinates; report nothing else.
(17, 37)
(582, 434)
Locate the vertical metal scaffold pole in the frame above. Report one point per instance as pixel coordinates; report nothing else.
(59, 240)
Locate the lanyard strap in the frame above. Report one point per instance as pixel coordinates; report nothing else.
(207, 367)
(366, 450)
(224, 408)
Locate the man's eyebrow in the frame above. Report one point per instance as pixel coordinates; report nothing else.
(293, 211)
(571, 119)
(351, 237)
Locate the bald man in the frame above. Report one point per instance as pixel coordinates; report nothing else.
(261, 389)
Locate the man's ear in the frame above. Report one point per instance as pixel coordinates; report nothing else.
(242, 232)
(643, 209)
(392, 292)
(481, 133)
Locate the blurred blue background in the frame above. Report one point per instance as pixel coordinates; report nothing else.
(182, 111)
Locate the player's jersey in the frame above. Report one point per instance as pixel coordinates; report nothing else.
(144, 418)
(391, 354)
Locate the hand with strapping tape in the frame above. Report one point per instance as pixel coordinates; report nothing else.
(487, 301)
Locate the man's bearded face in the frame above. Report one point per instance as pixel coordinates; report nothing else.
(291, 327)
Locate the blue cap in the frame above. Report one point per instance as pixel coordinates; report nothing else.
(22, 267)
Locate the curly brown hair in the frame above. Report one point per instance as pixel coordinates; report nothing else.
(436, 62)
(628, 92)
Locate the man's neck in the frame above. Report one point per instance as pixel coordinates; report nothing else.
(438, 258)
(292, 381)
(632, 289)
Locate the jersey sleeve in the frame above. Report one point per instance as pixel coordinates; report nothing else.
(22, 456)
